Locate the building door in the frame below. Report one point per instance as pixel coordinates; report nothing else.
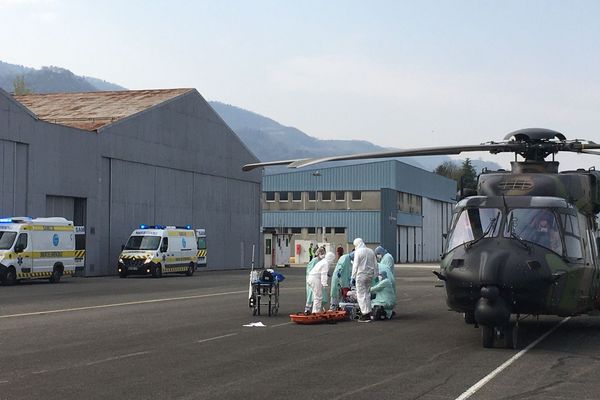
(418, 244)
(402, 244)
(74, 209)
(411, 244)
(268, 251)
(282, 250)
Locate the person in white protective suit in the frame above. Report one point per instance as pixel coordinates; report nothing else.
(319, 255)
(386, 263)
(317, 280)
(364, 269)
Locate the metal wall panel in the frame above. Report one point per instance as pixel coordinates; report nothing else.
(368, 176)
(363, 224)
(21, 179)
(60, 206)
(436, 220)
(390, 174)
(173, 196)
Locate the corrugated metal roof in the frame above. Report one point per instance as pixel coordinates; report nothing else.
(93, 110)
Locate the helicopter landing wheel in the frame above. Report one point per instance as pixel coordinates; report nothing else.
(511, 335)
(469, 317)
(488, 334)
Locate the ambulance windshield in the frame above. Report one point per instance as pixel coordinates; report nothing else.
(143, 243)
(7, 239)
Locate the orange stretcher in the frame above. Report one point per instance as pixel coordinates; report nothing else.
(319, 318)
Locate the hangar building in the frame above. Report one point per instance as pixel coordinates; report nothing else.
(113, 160)
(404, 208)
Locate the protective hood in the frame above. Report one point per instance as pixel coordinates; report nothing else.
(380, 250)
(330, 257)
(358, 242)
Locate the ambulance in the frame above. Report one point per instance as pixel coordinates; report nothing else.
(36, 248)
(201, 240)
(157, 250)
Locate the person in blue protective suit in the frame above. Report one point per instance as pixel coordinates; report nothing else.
(317, 281)
(319, 255)
(386, 263)
(340, 279)
(385, 297)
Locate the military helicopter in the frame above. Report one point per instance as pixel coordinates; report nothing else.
(526, 243)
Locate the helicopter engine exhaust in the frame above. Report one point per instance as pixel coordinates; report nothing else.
(491, 309)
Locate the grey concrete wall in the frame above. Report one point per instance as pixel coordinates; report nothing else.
(176, 163)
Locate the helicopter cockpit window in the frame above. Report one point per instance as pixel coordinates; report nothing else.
(474, 224)
(572, 236)
(535, 225)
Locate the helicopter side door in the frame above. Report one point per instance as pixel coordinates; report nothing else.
(592, 259)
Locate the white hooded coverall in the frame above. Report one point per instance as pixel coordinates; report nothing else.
(317, 280)
(364, 269)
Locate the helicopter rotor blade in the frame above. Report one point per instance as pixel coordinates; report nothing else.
(250, 167)
(429, 151)
(590, 152)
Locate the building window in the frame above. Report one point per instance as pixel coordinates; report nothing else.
(270, 196)
(296, 230)
(340, 196)
(327, 230)
(311, 230)
(356, 196)
(283, 196)
(312, 196)
(415, 204)
(410, 203)
(338, 229)
(326, 196)
(296, 196)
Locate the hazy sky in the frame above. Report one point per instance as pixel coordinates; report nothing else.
(396, 73)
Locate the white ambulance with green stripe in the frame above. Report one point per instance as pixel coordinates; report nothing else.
(36, 248)
(158, 250)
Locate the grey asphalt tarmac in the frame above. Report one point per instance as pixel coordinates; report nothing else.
(183, 338)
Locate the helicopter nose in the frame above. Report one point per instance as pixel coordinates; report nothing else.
(490, 292)
(491, 308)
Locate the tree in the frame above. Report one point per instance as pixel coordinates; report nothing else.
(448, 169)
(19, 86)
(468, 175)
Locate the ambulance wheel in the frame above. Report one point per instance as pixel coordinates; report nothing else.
(190, 270)
(157, 271)
(56, 275)
(11, 276)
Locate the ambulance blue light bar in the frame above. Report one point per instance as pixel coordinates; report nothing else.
(182, 227)
(10, 220)
(144, 226)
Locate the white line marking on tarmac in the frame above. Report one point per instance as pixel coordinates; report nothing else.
(1, 382)
(40, 372)
(216, 337)
(473, 389)
(285, 323)
(130, 303)
(115, 358)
